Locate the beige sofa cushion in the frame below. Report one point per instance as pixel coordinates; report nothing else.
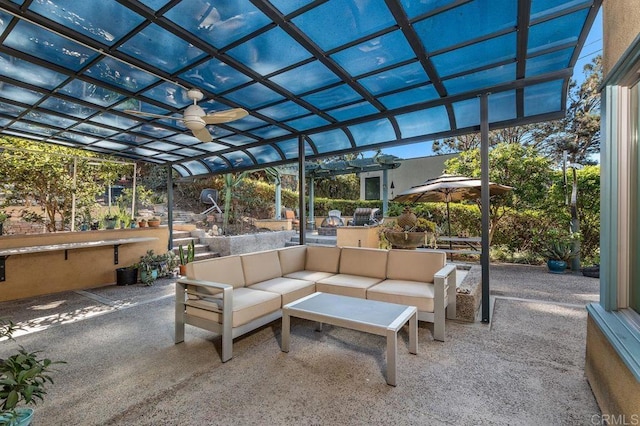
(365, 262)
(323, 259)
(260, 266)
(314, 276)
(292, 258)
(248, 304)
(290, 289)
(410, 293)
(225, 270)
(414, 265)
(347, 285)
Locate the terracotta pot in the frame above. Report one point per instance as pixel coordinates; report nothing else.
(183, 270)
(153, 223)
(142, 224)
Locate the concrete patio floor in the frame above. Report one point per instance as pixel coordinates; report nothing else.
(526, 367)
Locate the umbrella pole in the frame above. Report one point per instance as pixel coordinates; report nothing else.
(449, 226)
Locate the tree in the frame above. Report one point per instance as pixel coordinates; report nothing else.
(457, 144)
(578, 133)
(231, 181)
(527, 135)
(509, 164)
(43, 173)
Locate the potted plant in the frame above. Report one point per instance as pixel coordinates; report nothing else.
(172, 262)
(148, 267)
(110, 220)
(186, 257)
(23, 378)
(559, 253)
(125, 219)
(127, 275)
(154, 222)
(3, 216)
(142, 222)
(85, 220)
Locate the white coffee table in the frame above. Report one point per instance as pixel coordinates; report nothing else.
(370, 316)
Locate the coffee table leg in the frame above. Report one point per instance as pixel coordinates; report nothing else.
(286, 332)
(413, 334)
(392, 353)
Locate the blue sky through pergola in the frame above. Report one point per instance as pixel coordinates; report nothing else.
(592, 48)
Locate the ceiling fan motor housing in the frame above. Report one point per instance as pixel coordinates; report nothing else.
(194, 95)
(193, 117)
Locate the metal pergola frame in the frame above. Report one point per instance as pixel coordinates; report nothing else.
(21, 12)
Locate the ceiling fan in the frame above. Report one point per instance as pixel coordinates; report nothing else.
(195, 118)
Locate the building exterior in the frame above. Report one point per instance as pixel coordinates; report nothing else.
(412, 172)
(613, 326)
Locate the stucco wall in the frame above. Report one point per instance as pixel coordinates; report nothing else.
(48, 272)
(412, 172)
(615, 388)
(613, 384)
(621, 23)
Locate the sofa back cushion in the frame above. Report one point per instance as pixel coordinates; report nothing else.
(292, 259)
(225, 270)
(323, 259)
(414, 265)
(261, 266)
(366, 262)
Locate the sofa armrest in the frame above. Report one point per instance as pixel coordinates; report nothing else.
(445, 289)
(201, 283)
(446, 271)
(444, 303)
(227, 306)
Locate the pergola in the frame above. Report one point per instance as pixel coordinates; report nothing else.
(319, 78)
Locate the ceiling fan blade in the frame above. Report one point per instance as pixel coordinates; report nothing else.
(203, 135)
(148, 114)
(225, 116)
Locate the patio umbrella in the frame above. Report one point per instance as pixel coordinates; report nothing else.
(447, 188)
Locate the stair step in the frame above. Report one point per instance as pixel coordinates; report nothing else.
(181, 234)
(184, 241)
(207, 255)
(199, 248)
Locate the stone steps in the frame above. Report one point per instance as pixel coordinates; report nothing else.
(184, 238)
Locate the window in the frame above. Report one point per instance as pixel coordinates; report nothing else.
(372, 188)
(634, 130)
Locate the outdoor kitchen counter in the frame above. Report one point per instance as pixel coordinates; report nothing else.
(358, 236)
(39, 264)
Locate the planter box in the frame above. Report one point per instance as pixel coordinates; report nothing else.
(247, 243)
(274, 224)
(591, 271)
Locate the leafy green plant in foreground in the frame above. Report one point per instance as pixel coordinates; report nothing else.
(23, 376)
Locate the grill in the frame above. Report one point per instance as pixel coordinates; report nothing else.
(366, 216)
(330, 225)
(331, 222)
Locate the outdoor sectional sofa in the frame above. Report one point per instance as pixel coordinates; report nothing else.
(233, 295)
